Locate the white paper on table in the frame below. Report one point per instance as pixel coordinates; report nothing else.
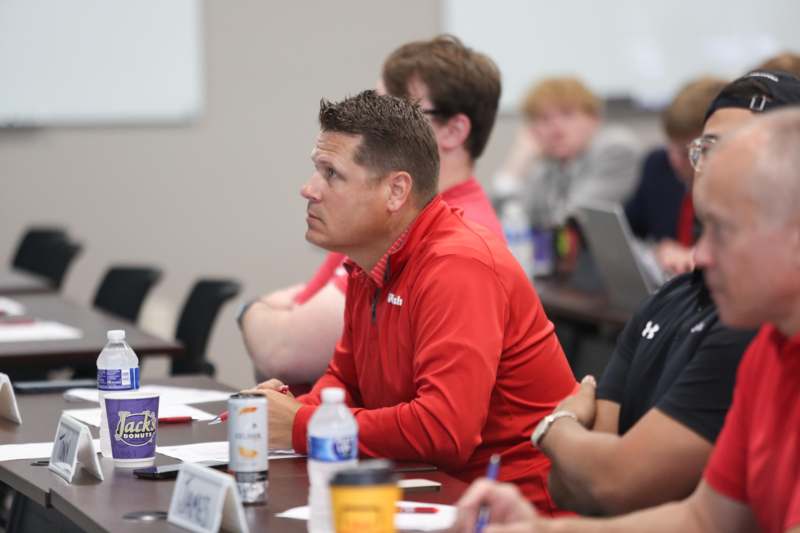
(9, 307)
(168, 395)
(31, 450)
(38, 331)
(212, 451)
(91, 415)
(442, 519)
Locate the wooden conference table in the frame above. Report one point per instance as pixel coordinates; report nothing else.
(92, 322)
(92, 505)
(14, 281)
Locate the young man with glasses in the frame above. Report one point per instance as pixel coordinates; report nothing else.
(643, 436)
(458, 89)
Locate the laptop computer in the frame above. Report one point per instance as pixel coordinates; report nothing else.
(628, 280)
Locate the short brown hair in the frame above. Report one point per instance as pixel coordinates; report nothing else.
(458, 79)
(785, 62)
(565, 92)
(684, 117)
(395, 136)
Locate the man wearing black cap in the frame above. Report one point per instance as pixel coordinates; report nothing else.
(644, 435)
(746, 195)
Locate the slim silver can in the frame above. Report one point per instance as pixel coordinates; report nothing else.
(248, 441)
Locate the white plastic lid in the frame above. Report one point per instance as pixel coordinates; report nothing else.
(332, 395)
(116, 335)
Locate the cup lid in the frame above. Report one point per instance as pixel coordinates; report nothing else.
(372, 472)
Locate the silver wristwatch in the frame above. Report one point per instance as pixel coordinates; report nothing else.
(544, 425)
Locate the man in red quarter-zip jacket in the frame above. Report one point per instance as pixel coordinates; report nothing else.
(446, 355)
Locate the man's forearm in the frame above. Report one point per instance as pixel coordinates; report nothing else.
(582, 466)
(294, 345)
(667, 518)
(705, 511)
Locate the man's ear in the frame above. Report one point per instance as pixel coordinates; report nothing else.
(454, 132)
(400, 187)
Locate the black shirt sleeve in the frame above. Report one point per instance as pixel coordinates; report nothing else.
(701, 395)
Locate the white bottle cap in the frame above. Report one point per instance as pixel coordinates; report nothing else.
(332, 395)
(116, 335)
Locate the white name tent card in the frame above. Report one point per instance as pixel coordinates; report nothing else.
(204, 500)
(73, 445)
(8, 400)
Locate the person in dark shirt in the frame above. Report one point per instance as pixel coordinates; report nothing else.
(644, 435)
(660, 209)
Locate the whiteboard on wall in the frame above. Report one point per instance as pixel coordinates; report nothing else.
(643, 49)
(100, 61)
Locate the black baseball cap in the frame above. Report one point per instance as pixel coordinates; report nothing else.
(758, 91)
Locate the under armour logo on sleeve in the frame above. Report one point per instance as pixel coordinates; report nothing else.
(650, 330)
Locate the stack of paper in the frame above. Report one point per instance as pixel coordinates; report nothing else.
(167, 395)
(37, 331)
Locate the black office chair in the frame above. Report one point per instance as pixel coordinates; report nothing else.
(123, 290)
(47, 252)
(196, 321)
(121, 293)
(34, 244)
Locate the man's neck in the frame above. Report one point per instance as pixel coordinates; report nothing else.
(367, 257)
(454, 168)
(789, 325)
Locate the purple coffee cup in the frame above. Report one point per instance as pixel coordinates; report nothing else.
(132, 425)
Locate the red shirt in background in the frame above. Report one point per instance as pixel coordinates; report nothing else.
(447, 356)
(756, 460)
(468, 195)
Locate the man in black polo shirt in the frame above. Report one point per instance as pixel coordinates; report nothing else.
(646, 435)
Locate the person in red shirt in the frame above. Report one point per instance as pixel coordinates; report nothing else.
(446, 355)
(458, 90)
(746, 198)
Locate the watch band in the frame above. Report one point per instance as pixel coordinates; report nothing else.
(242, 310)
(544, 425)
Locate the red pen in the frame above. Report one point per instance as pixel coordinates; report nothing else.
(175, 420)
(16, 320)
(418, 509)
(223, 416)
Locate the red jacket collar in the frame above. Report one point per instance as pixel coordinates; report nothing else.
(401, 250)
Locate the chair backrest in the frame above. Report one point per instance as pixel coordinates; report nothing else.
(195, 323)
(124, 288)
(47, 253)
(35, 244)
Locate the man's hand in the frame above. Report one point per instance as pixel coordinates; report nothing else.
(582, 403)
(282, 408)
(674, 257)
(509, 511)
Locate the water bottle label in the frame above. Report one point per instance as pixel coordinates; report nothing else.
(332, 450)
(118, 379)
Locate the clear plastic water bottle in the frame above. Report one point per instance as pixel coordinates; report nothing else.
(117, 370)
(332, 446)
(517, 229)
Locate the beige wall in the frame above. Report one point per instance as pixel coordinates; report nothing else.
(218, 197)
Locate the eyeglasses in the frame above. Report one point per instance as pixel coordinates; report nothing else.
(698, 149)
(436, 112)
